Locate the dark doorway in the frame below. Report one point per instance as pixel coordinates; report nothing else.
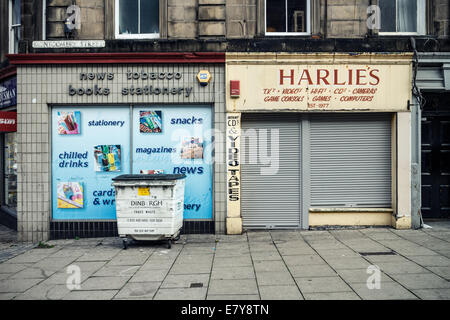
(436, 156)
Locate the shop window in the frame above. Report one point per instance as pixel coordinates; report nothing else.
(137, 19)
(10, 171)
(402, 16)
(14, 25)
(287, 17)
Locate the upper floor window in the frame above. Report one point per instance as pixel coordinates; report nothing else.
(287, 17)
(137, 19)
(402, 16)
(14, 25)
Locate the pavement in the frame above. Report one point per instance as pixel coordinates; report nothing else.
(340, 264)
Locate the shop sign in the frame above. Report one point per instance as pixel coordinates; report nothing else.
(69, 44)
(233, 164)
(146, 86)
(8, 93)
(315, 86)
(8, 121)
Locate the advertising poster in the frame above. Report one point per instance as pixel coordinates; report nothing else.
(150, 121)
(184, 146)
(69, 122)
(89, 160)
(70, 195)
(107, 158)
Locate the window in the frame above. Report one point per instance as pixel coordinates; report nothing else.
(402, 16)
(14, 25)
(137, 19)
(287, 17)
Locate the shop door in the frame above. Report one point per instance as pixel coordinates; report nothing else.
(271, 171)
(435, 165)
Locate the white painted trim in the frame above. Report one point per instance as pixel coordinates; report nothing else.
(130, 36)
(44, 20)
(421, 17)
(10, 29)
(290, 34)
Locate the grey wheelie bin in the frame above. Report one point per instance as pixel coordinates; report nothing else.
(149, 206)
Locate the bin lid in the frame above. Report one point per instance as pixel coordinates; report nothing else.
(142, 177)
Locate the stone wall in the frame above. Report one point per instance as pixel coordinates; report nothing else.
(92, 18)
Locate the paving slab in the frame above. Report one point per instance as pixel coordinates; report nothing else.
(273, 266)
(90, 295)
(190, 268)
(347, 263)
(400, 268)
(185, 281)
(433, 294)
(347, 295)
(431, 261)
(44, 292)
(17, 285)
(421, 281)
(312, 271)
(181, 294)
(303, 260)
(243, 261)
(32, 273)
(360, 275)
(322, 284)
(280, 292)
(232, 273)
(116, 271)
(220, 287)
(233, 297)
(156, 275)
(274, 278)
(138, 291)
(387, 291)
(104, 283)
(444, 272)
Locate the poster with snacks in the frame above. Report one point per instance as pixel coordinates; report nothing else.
(192, 148)
(70, 195)
(150, 121)
(69, 122)
(107, 158)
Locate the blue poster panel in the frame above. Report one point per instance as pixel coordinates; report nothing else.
(177, 139)
(90, 146)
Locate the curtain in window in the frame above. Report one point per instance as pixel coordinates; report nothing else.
(407, 15)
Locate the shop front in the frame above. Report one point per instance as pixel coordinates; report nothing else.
(88, 119)
(9, 147)
(318, 140)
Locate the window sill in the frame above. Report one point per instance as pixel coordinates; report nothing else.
(137, 36)
(287, 34)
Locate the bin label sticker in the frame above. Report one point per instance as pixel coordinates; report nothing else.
(142, 191)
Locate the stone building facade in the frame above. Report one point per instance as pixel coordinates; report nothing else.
(335, 32)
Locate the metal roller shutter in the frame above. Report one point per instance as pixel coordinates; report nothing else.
(351, 160)
(272, 201)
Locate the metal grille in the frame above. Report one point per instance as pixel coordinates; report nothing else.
(271, 201)
(351, 160)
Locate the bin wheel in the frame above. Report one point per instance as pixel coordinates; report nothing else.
(169, 244)
(125, 244)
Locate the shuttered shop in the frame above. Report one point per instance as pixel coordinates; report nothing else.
(349, 165)
(271, 199)
(350, 160)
